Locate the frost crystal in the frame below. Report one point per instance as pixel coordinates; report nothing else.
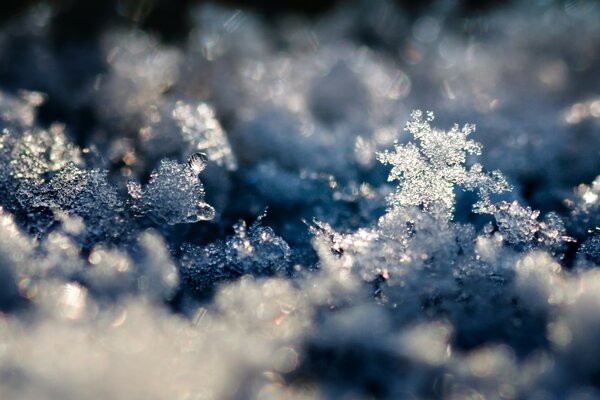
(197, 162)
(590, 249)
(255, 250)
(87, 194)
(430, 169)
(27, 151)
(37, 151)
(174, 193)
(520, 225)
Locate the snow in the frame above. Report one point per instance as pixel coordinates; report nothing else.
(259, 210)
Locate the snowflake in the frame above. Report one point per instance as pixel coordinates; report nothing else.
(429, 170)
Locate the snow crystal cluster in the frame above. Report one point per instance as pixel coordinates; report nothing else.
(259, 210)
(430, 172)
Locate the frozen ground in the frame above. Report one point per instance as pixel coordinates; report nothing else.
(257, 212)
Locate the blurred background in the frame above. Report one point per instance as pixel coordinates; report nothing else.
(169, 18)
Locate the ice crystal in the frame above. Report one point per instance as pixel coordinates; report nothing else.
(27, 151)
(256, 250)
(590, 249)
(174, 193)
(36, 152)
(430, 169)
(86, 194)
(197, 162)
(520, 225)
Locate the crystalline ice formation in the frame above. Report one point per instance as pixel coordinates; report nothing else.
(428, 171)
(422, 263)
(518, 224)
(590, 249)
(174, 194)
(255, 250)
(36, 152)
(521, 226)
(26, 150)
(87, 194)
(197, 162)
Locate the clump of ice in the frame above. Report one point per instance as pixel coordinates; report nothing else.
(254, 250)
(174, 193)
(521, 226)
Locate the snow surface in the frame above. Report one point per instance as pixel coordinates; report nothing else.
(258, 212)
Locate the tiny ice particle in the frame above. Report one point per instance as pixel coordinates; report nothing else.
(197, 162)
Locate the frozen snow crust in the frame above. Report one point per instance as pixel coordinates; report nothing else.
(258, 212)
